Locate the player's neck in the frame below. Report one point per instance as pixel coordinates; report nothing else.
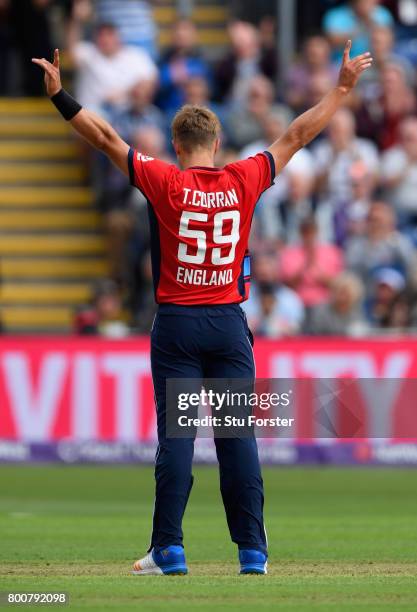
(199, 160)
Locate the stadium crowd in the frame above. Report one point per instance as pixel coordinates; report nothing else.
(334, 241)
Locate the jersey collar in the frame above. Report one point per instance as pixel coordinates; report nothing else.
(205, 168)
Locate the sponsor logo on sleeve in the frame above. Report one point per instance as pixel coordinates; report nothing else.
(144, 158)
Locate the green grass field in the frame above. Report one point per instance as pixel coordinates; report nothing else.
(340, 539)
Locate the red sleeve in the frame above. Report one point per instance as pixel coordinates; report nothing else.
(257, 173)
(149, 175)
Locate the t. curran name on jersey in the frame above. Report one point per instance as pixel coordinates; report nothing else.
(217, 199)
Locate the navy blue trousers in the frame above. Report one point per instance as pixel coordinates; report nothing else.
(204, 342)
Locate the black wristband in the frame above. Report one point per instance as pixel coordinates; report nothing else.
(67, 106)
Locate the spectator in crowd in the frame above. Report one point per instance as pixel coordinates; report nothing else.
(335, 156)
(401, 317)
(355, 20)
(387, 286)
(384, 53)
(290, 200)
(294, 184)
(197, 91)
(133, 19)
(181, 62)
(310, 267)
(119, 221)
(104, 316)
(245, 61)
(267, 29)
(126, 218)
(405, 13)
(134, 251)
(381, 246)
(379, 119)
(139, 112)
(273, 125)
(399, 175)
(114, 191)
(151, 141)
(349, 218)
(298, 205)
(106, 69)
(318, 86)
(342, 315)
(281, 212)
(245, 125)
(273, 310)
(315, 64)
(384, 50)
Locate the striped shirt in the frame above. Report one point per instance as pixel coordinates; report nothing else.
(134, 20)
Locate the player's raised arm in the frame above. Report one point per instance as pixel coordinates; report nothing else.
(306, 127)
(91, 127)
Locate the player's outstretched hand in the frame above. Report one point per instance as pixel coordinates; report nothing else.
(52, 74)
(352, 68)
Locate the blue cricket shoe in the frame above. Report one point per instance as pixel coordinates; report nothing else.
(169, 561)
(253, 562)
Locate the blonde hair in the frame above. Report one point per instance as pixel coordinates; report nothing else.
(195, 126)
(349, 281)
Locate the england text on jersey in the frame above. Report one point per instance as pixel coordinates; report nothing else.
(205, 278)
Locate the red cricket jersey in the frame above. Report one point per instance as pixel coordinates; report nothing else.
(200, 221)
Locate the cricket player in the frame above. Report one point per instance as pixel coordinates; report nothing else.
(200, 218)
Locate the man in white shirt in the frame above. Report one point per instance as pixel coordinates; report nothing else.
(399, 171)
(107, 70)
(269, 220)
(335, 155)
